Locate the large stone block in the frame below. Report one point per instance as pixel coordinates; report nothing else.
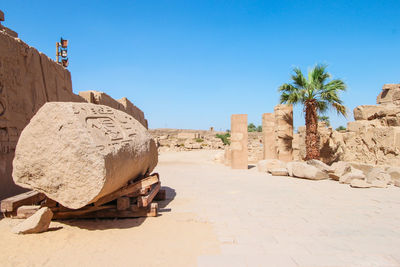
(239, 138)
(390, 94)
(76, 153)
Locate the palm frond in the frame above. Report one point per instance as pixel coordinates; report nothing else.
(298, 79)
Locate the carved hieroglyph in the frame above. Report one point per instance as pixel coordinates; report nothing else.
(76, 153)
(239, 152)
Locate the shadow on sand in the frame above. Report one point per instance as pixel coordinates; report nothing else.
(105, 224)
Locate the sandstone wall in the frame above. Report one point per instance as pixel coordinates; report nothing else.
(28, 79)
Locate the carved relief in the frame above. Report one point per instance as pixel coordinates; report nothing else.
(107, 127)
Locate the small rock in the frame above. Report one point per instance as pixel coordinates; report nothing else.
(379, 184)
(394, 173)
(378, 174)
(359, 184)
(320, 165)
(37, 223)
(352, 174)
(269, 164)
(279, 172)
(340, 168)
(303, 170)
(365, 168)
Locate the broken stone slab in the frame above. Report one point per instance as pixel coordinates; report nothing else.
(75, 153)
(320, 165)
(378, 177)
(340, 168)
(394, 173)
(357, 183)
(303, 170)
(350, 175)
(279, 172)
(37, 223)
(268, 164)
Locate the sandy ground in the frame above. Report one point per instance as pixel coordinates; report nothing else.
(216, 216)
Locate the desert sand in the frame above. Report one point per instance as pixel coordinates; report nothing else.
(215, 216)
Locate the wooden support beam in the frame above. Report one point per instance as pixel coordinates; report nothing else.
(148, 181)
(123, 203)
(161, 195)
(11, 204)
(144, 201)
(150, 211)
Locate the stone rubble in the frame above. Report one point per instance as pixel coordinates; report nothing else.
(37, 223)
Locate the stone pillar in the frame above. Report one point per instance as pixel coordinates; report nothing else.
(239, 138)
(284, 132)
(268, 130)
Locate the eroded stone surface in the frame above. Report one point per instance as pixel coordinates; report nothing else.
(303, 170)
(76, 153)
(239, 152)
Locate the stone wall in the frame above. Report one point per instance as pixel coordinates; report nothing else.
(28, 79)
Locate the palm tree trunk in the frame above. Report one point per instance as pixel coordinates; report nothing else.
(312, 136)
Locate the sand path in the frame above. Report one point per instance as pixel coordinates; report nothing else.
(216, 216)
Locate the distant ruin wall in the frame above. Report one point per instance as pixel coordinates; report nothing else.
(28, 79)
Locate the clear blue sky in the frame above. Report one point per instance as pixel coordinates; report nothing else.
(191, 64)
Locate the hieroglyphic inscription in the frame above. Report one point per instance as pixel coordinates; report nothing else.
(109, 128)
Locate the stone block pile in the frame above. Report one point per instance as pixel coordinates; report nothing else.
(351, 173)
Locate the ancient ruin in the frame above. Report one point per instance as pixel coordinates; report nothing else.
(29, 79)
(373, 138)
(238, 147)
(76, 153)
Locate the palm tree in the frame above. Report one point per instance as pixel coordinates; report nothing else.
(317, 95)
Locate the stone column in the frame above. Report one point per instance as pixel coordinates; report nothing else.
(268, 130)
(284, 132)
(239, 154)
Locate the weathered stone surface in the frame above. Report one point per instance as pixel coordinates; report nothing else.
(76, 153)
(1, 15)
(357, 183)
(390, 94)
(365, 168)
(378, 177)
(37, 223)
(340, 168)
(284, 132)
(239, 139)
(279, 172)
(303, 170)
(123, 104)
(351, 174)
(269, 164)
(394, 173)
(320, 165)
(268, 130)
